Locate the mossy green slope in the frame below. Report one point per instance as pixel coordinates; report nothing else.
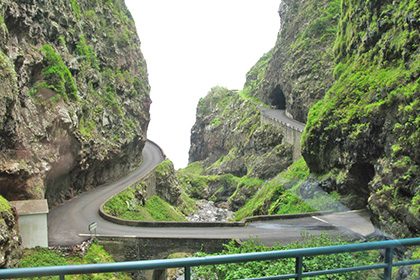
(368, 125)
(156, 198)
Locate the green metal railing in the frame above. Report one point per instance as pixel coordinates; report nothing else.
(299, 254)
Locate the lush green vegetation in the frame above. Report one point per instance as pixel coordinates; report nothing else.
(272, 197)
(255, 78)
(4, 204)
(281, 195)
(164, 167)
(57, 75)
(370, 115)
(287, 266)
(3, 28)
(373, 80)
(131, 205)
(196, 185)
(44, 257)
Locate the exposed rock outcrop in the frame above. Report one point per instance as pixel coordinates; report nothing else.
(167, 184)
(228, 138)
(74, 96)
(298, 71)
(10, 242)
(230, 141)
(365, 132)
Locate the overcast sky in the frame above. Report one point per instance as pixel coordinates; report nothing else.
(191, 46)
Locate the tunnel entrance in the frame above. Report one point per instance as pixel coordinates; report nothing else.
(279, 100)
(361, 174)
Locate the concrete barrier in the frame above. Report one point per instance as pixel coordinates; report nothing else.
(292, 134)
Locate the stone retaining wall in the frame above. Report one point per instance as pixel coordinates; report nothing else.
(292, 135)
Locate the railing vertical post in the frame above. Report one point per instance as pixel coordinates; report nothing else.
(62, 277)
(187, 274)
(299, 268)
(389, 255)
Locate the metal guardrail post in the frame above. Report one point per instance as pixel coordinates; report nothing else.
(299, 268)
(187, 274)
(62, 277)
(389, 255)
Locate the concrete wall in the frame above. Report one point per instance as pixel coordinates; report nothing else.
(136, 248)
(33, 229)
(33, 225)
(292, 135)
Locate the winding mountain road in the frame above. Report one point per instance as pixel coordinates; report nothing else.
(68, 223)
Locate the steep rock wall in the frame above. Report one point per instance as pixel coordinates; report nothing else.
(74, 96)
(366, 129)
(228, 137)
(298, 71)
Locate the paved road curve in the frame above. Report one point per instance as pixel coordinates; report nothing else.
(68, 221)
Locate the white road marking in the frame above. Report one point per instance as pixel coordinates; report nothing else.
(319, 219)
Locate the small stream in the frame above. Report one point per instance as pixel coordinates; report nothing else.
(208, 212)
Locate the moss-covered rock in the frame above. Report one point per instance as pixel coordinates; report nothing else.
(228, 138)
(10, 241)
(74, 97)
(167, 184)
(225, 189)
(298, 71)
(367, 126)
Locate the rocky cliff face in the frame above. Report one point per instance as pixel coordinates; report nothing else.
(228, 137)
(361, 60)
(10, 242)
(167, 184)
(366, 129)
(298, 71)
(231, 150)
(74, 96)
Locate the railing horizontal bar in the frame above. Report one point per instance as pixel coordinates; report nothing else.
(405, 263)
(344, 270)
(210, 260)
(310, 251)
(324, 272)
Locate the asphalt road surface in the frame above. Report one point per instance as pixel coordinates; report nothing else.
(280, 116)
(68, 223)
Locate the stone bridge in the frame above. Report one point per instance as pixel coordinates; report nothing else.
(130, 248)
(291, 128)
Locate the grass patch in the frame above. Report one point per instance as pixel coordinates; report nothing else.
(187, 205)
(57, 75)
(160, 210)
(129, 205)
(272, 197)
(44, 257)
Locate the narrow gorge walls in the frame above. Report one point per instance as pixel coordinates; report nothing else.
(365, 131)
(74, 97)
